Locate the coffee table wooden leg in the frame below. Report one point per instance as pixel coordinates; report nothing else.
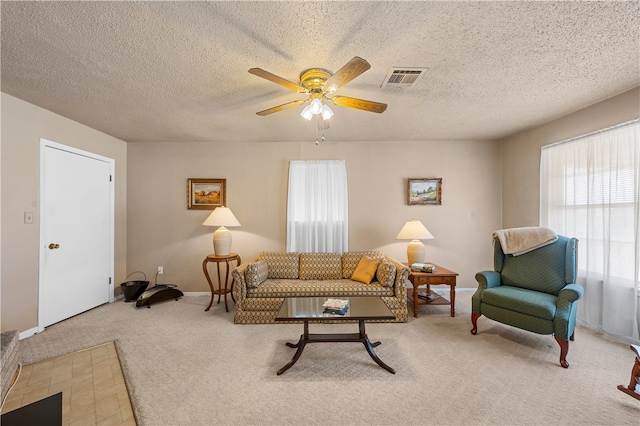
(304, 338)
(300, 345)
(369, 346)
(372, 354)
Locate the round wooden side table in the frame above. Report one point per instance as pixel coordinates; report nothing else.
(220, 290)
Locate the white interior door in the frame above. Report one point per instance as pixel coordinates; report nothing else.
(76, 232)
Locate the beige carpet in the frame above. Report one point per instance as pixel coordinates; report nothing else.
(184, 366)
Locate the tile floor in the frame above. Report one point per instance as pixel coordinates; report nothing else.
(91, 382)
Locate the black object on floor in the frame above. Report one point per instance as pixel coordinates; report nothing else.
(131, 290)
(46, 412)
(158, 293)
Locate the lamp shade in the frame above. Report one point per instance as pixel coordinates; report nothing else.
(326, 112)
(306, 113)
(222, 217)
(415, 231)
(315, 106)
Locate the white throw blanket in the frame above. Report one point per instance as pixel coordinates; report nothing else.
(517, 241)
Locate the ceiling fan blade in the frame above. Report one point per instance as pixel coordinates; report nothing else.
(280, 107)
(362, 104)
(276, 79)
(348, 72)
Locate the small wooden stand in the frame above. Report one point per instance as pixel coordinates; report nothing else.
(439, 276)
(220, 290)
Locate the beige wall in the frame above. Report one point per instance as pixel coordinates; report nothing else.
(521, 153)
(163, 232)
(498, 182)
(23, 125)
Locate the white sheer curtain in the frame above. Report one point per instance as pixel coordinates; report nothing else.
(317, 207)
(590, 189)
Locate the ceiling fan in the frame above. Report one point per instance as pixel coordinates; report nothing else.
(318, 83)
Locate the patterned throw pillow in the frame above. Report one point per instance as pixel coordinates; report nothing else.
(320, 266)
(256, 273)
(386, 273)
(281, 265)
(366, 270)
(350, 260)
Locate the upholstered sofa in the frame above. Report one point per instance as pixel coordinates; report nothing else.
(262, 283)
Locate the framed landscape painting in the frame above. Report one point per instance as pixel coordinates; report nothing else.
(425, 191)
(206, 194)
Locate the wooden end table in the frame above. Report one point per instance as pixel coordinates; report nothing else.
(439, 276)
(220, 290)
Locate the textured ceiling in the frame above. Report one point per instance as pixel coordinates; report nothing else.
(177, 71)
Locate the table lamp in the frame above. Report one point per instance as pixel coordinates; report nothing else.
(222, 217)
(415, 231)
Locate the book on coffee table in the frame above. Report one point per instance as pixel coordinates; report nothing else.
(336, 306)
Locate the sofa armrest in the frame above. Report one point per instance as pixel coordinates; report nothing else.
(570, 293)
(402, 275)
(564, 322)
(487, 279)
(239, 283)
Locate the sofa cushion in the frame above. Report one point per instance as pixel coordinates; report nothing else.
(386, 273)
(320, 266)
(256, 273)
(281, 265)
(529, 302)
(366, 269)
(350, 260)
(317, 288)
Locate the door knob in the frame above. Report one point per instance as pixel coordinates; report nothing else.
(53, 246)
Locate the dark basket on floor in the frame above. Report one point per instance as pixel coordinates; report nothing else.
(133, 289)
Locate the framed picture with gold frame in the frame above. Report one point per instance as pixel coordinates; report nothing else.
(206, 194)
(423, 191)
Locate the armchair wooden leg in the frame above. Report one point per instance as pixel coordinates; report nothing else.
(564, 348)
(474, 322)
(573, 336)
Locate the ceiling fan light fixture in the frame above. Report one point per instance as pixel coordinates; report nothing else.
(316, 106)
(306, 113)
(326, 112)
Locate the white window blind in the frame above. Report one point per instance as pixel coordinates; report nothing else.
(590, 190)
(317, 207)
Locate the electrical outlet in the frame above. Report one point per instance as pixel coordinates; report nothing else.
(160, 270)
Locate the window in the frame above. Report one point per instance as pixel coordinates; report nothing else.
(590, 190)
(317, 208)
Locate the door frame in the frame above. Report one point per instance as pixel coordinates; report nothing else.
(44, 144)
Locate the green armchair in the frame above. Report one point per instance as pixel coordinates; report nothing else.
(535, 291)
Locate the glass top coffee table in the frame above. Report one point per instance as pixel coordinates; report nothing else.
(312, 309)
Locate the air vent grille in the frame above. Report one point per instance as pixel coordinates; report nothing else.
(403, 77)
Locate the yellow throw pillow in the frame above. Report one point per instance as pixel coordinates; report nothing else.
(366, 270)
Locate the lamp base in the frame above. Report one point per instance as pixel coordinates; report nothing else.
(415, 252)
(222, 242)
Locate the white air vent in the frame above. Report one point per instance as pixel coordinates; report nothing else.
(403, 77)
